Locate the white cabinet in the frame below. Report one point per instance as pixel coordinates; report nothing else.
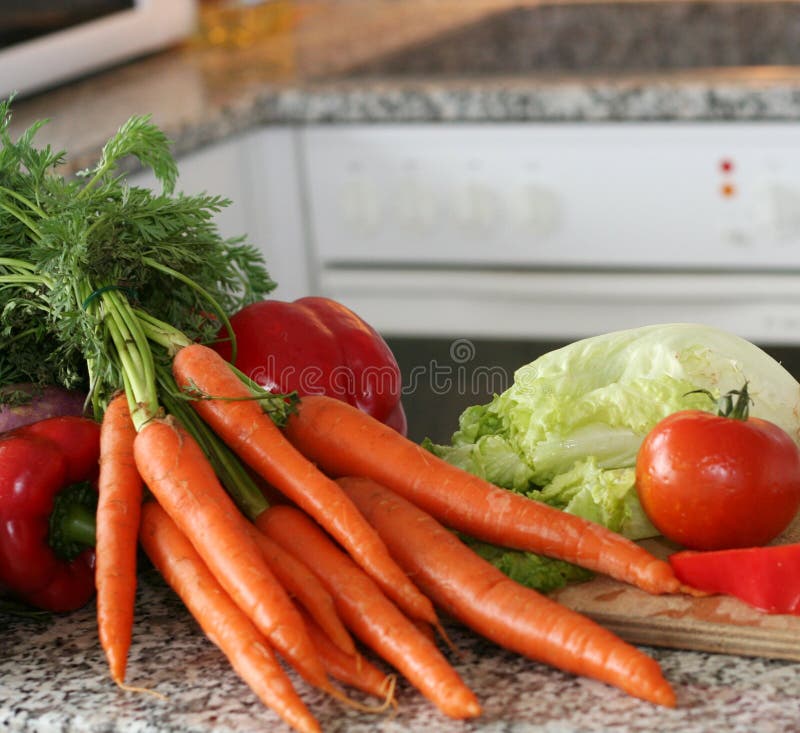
(258, 173)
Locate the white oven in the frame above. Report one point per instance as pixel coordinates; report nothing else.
(554, 231)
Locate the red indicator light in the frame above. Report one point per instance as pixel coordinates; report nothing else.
(726, 166)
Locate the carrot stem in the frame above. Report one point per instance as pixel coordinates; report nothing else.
(233, 475)
(135, 356)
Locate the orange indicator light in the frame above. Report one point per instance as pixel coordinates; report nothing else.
(728, 190)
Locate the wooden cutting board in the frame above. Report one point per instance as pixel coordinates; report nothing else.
(720, 624)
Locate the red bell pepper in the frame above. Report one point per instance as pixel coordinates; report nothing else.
(48, 494)
(316, 345)
(767, 578)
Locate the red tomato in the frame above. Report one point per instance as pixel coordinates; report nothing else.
(710, 482)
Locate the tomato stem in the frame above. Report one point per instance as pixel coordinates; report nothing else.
(738, 408)
(734, 404)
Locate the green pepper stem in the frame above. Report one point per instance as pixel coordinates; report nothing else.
(72, 520)
(78, 525)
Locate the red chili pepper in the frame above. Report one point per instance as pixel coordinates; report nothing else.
(316, 345)
(48, 492)
(767, 578)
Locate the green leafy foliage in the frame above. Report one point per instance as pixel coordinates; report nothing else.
(68, 245)
(540, 573)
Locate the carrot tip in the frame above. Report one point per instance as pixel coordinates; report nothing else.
(389, 700)
(390, 683)
(447, 640)
(142, 690)
(666, 698)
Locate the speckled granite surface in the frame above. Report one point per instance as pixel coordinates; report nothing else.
(53, 678)
(462, 66)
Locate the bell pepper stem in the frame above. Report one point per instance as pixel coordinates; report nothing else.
(78, 525)
(72, 521)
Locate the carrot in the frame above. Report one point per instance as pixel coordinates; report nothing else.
(306, 588)
(120, 489)
(183, 481)
(343, 440)
(250, 433)
(370, 615)
(480, 596)
(220, 618)
(352, 669)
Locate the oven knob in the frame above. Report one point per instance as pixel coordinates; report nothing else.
(359, 205)
(415, 206)
(537, 209)
(476, 208)
(780, 210)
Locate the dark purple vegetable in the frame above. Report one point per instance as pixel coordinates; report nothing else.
(23, 404)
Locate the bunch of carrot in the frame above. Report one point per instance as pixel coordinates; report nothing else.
(365, 511)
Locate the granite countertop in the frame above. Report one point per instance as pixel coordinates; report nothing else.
(411, 61)
(364, 61)
(53, 678)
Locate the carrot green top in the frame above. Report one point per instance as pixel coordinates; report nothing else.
(101, 280)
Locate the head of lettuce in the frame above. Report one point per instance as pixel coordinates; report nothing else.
(568, 430)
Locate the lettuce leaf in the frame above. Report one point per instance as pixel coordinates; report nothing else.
(534, 571)
(568, 429)
(604, 495)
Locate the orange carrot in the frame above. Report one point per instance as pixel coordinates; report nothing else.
(120, 489)
(343, 441)
(352, 669)
(183, 481)
(242, 424)
(370, 615)
(220, 618)
(480, 596)
(306, 588)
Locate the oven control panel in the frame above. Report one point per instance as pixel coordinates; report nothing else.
(677, 196)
